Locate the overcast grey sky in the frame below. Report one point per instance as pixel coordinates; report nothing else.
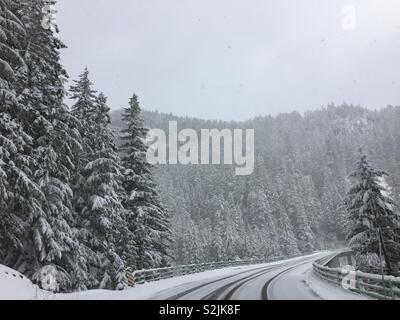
(235, 59)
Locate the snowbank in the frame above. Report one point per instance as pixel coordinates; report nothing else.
(327, 291)
(15, 286)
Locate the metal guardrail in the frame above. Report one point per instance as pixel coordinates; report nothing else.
(149, 275)
(373, 285)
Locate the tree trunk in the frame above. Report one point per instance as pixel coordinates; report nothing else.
(387, 260)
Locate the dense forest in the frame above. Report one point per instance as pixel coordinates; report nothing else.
(294, 201)
(69, 201)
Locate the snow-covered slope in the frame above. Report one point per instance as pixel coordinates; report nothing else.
(14, 285)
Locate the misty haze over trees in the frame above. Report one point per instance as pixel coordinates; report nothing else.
(294, 201)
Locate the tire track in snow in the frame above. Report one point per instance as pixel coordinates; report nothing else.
(264, 292)
(217, 293)
(186, 292)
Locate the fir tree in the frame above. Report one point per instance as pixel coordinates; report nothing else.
(100, 221)
(232, 232)
(191, 249)
(287, 237)
(217, 250)
(85, 97)
(148, 218)
(20, 196)
(55, 146)
(374, 226)
(262, 219)
(83, 109)
(333, 214)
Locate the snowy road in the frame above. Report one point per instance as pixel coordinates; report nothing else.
(281, 280)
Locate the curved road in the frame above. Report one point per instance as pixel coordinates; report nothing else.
(276, 281)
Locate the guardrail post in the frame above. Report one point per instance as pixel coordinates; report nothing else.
(391, 289)
(130, 277)
(338, 274)
(357, 283)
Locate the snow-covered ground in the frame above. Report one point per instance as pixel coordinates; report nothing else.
(300, 283)
(327, 291)
(15, 286)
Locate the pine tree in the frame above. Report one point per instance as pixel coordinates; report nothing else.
(85, 97)
(287, 237)
(20, 196)
(333, 213)
(232, 230)
(217, 250)
(55, 146)
(100, 220)
(261, 218)
(148, 218)
(85, 101)
(292, 189)
(374, 226)
(192, 250)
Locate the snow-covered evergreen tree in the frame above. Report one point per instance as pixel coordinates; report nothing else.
(85, 99)
(216, 246)
(192, 250)
(149, 219)
(372, 221)
(294, 202)
(233, 230)
(20, 196)
(333, 214)
(261, 217)
(100, 222)
(55, 147)
(287, 237)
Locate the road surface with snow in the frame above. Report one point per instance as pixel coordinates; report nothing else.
(285, 280)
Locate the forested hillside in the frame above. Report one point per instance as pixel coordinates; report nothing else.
(293, 201)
